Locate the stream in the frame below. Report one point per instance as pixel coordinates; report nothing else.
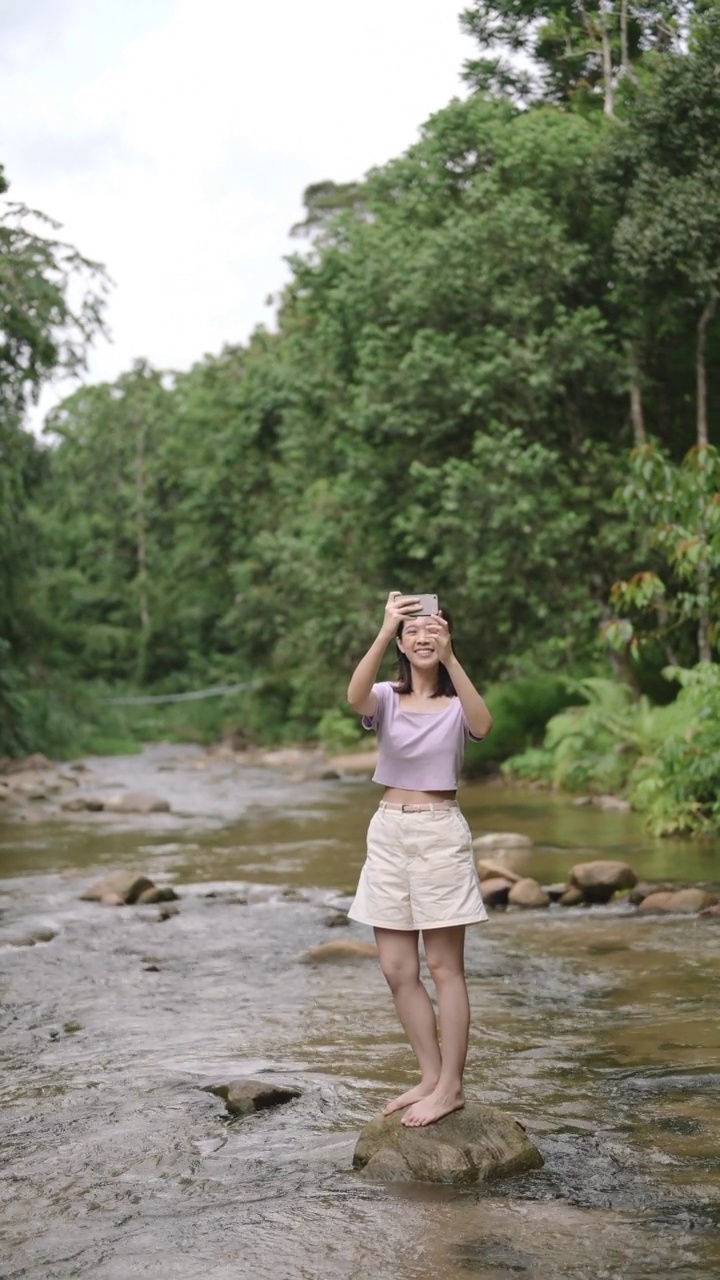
(597, 1028)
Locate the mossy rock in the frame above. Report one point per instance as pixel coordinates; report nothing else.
(475, 1144)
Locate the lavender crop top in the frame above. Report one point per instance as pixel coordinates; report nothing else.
(417, 750)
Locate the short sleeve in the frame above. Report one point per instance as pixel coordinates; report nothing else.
(381, 692)
(473, 737)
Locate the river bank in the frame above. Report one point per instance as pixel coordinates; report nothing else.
(598, 1030)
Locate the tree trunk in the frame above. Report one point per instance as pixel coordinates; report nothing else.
(624, 54)
(609, 105)
(637, 416)
(701, 371)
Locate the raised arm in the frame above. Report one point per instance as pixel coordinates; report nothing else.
(360, 694)
(479, 720)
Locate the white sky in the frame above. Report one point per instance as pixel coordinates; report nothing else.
(173, 140)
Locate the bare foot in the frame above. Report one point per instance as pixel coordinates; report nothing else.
(406, 1099)
(433, 1107)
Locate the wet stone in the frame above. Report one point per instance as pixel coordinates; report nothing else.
(495, 891)
(600, 879)
(136, 802)
(476, 1144)
(336, 920)
(241, 1097)
(127, 885)
(527, 893)
(157, 893)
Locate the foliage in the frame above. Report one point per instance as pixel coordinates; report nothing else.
(681, 505)
(666, 758)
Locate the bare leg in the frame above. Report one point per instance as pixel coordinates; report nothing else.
(399, 961)
(444, 952)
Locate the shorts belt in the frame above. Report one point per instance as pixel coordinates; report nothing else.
(419, 808)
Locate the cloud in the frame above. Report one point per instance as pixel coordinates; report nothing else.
(174, 139)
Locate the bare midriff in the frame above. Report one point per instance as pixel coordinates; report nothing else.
(397, 795)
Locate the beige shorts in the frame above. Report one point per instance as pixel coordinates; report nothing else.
(419, 872)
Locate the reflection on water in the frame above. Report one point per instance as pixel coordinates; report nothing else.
(597, 1029)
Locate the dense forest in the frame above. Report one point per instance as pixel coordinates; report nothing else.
(492, 375)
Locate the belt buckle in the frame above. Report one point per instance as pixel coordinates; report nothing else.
(410, 808)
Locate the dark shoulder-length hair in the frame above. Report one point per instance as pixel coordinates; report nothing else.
(444, 687)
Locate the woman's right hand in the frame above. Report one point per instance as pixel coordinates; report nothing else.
(398, 609)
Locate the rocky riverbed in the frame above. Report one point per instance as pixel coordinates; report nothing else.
(595, 1028)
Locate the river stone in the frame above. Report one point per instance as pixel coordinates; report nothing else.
(600, 879)
(243, 1096)
(690, 901)
(655, 902)
(336, 920)
(528, 893)
(157, 893)
(644, 888)
(502, 840)
(30, 937)
(128, 885)
(495, 892)
(572, 897)
(612, 803)
(136, 802)
(340, 952)
(555, 891)
(488, 869)
(476, 1144)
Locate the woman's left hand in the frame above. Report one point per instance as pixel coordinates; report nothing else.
(439, 630)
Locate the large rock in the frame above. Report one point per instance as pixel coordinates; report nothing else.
(690, 901)
(136, 802)
(340, 952)
(528, 893)
(126, 885)
(246, 1095)
(600, 879)
(476, 1144)
(655, 902)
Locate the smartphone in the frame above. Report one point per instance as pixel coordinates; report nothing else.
(428, 605)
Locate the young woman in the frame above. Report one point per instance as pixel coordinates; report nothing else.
(419, 875)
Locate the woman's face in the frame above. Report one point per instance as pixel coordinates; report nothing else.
(418, 644)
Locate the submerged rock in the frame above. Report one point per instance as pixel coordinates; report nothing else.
(600, 879)
(528, 893)
(243, 1096)
(340, 952)
(476, 1144)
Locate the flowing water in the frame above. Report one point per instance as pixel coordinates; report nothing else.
(597, 1029)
